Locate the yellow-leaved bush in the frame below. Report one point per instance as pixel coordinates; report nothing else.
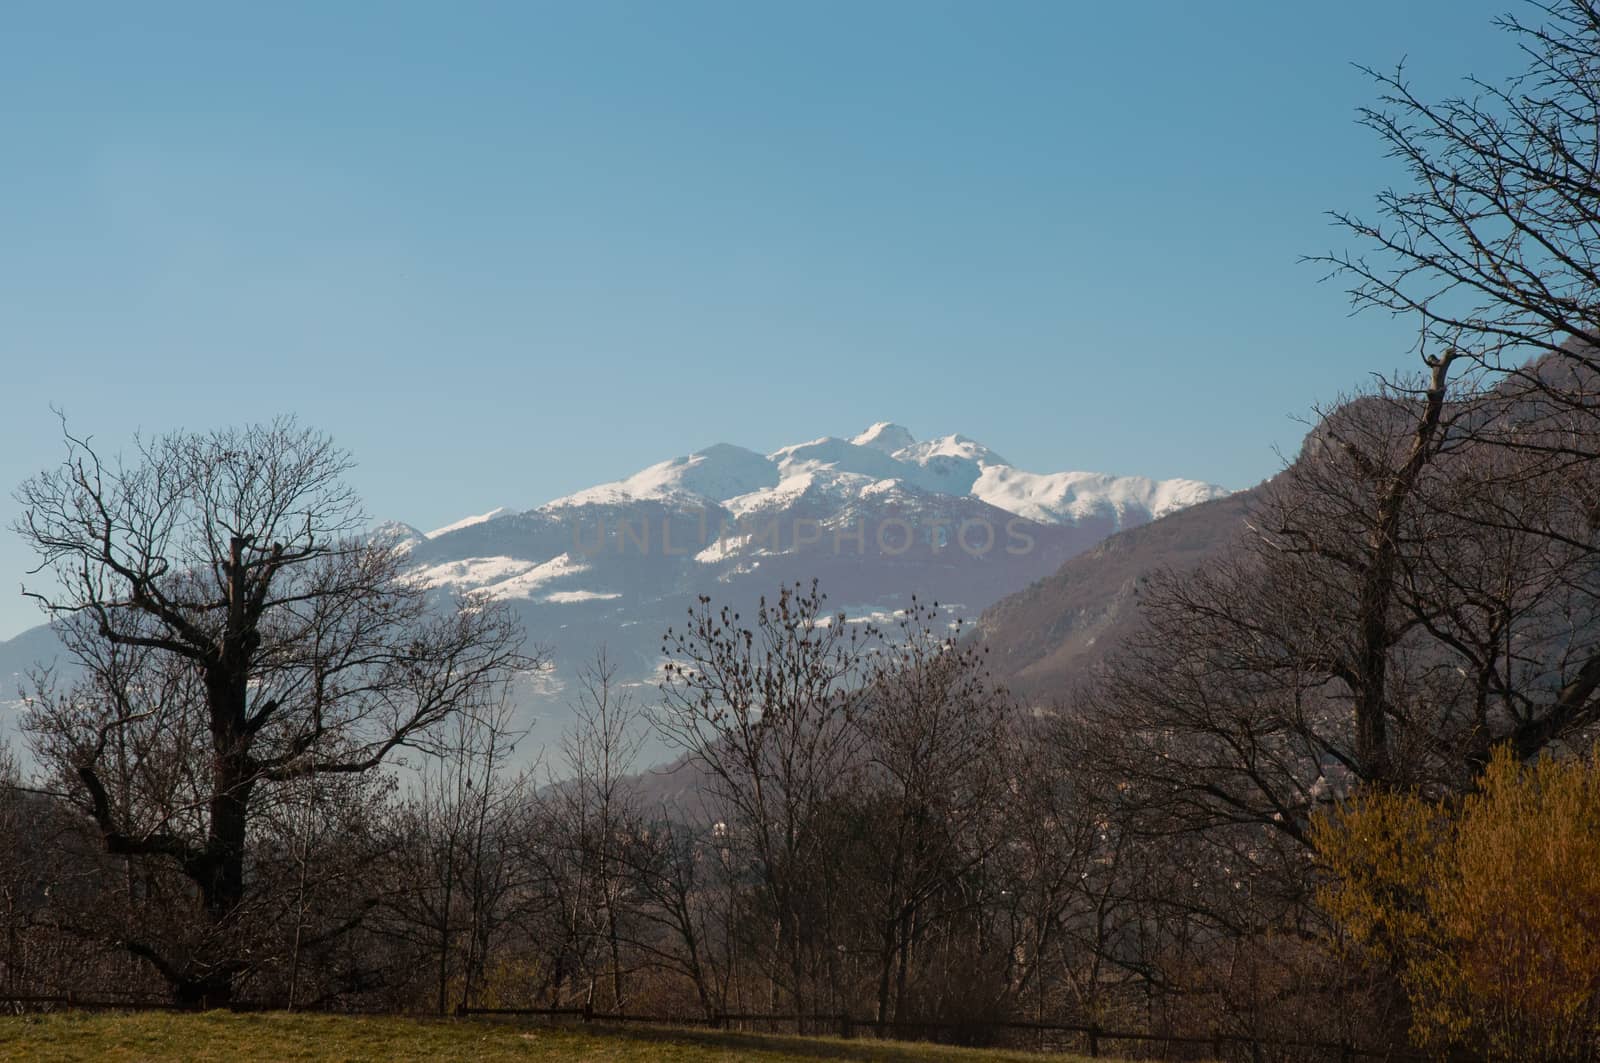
(1487, 909)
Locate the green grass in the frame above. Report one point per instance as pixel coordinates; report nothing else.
(215, 1037)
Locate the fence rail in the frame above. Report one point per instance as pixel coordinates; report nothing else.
(36, 1001)
(1094, 1038)
(1092, 1035)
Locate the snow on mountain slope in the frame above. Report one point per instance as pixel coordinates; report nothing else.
(839, 455)
(949, 448)
(1064, 497)
(885, 436)
(715, 513)
(874, 518)
(716, 473)
(747, 482)
(467, 522)
(401, 535)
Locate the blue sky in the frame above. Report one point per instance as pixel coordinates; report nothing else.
(502, 252)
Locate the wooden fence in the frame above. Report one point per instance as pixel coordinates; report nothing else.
(1092, 1039)
(1089, 1039)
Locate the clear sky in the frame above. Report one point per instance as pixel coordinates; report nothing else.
(506, 251)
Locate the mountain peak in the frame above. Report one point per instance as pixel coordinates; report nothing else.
(398, 534)
(467, 522)
(719, 472)
(885, 436)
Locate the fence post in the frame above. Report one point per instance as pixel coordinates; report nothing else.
(846, 1027)
(1094, 1042)
(588, 1010)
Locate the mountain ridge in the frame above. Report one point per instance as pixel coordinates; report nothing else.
(874, 517)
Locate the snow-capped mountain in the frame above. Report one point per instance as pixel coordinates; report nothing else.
(875, 518)
(729, 497)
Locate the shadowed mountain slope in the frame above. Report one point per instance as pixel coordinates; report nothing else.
(1042, 638)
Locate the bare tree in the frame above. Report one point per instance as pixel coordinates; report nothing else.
(572, 839)
(677, 904)
(1493, 242)
(236, 631)
(1059, 893)
(768, 712)
(937, 732)
(1406, 596)
(315, 845)
(596, 807)
(497, 801)
(452, 867)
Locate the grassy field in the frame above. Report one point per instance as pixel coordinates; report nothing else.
(218, 1036)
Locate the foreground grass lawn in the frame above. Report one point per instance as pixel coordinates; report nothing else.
(215, 1037)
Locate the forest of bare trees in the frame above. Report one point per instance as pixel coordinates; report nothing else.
(278, 776)
(1339, 789)
(280, 779)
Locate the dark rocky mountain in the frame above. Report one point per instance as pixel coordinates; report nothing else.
(1044, 637)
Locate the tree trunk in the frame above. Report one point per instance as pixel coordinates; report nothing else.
(214, 990)
(616, 956)
(885, 972)
(1377, 586)
(904, 963)
(444, 933)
